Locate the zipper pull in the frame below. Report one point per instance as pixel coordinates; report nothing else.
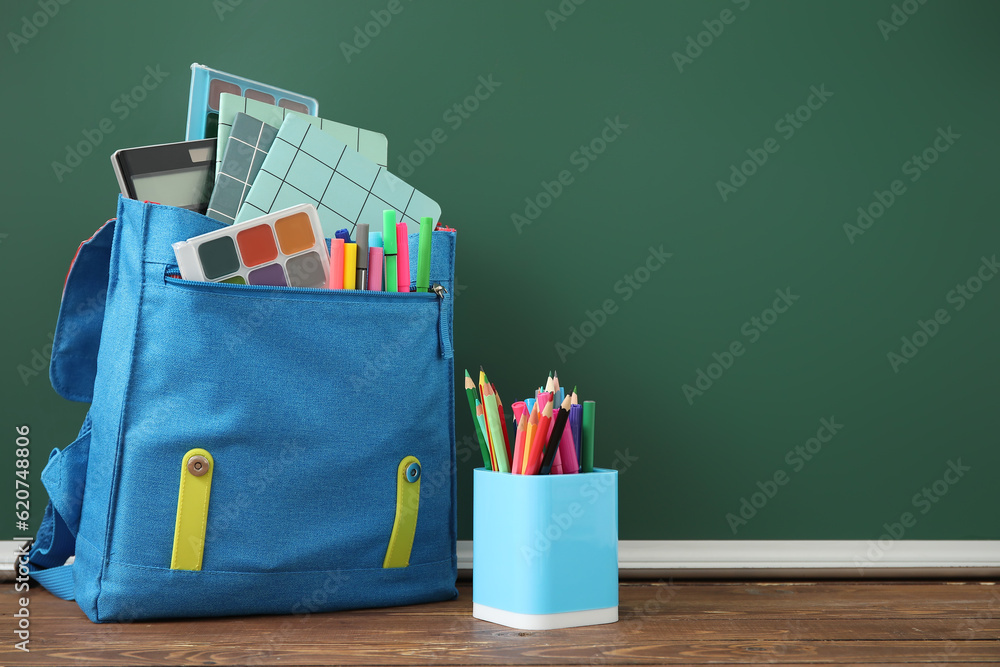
(440, 290)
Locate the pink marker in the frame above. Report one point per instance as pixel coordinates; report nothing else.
(519, 408)
(567, 451)
(402, 257)
(336, 264)
(375, 269)
(522, 433)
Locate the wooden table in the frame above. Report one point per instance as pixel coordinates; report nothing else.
(686, 622)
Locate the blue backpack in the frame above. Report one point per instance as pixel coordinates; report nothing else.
(248, 450)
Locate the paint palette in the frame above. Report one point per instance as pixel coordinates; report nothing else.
(373, 145)
(305, 164)
(282, 249)
(208, 84)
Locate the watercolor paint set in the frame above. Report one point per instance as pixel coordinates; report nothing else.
(281, 249)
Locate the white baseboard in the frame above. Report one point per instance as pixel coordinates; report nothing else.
(766, 558)
(798, 558)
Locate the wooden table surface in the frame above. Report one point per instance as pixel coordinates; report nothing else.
(685, 622)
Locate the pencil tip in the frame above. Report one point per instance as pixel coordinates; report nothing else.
(574, 389)
(555, 374)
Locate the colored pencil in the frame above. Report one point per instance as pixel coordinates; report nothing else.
(538, 442)
(483, 381)
(481, 416)
(529, 434)
(470, 392)
(496, 430)
(589, 415)
(503, 424)
(522, 431)
(553, 444)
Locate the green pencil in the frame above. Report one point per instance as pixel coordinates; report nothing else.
(470, 391)
(496, 430)
(587, 457)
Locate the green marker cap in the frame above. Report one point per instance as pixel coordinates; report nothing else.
(424, 254)
(389, 231)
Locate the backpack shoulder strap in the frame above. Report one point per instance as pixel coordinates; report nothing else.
(81, 316)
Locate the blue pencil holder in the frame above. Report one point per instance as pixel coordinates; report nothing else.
(545, 549)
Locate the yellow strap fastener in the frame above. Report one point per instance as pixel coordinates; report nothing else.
(407, 504)
(192, 510)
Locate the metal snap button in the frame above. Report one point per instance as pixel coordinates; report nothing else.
(413, 472)
(197, 465)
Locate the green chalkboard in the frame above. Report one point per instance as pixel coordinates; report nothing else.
(761, 235)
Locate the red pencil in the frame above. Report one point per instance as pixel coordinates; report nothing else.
(541, 436)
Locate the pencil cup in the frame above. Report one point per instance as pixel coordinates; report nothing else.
(545, 549)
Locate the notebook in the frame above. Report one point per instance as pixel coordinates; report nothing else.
(307, 165)
(207, 86)
(372, 145)
(246, 149)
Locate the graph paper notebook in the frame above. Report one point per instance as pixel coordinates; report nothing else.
(307, 165)
(372, 145)
(245, 152)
